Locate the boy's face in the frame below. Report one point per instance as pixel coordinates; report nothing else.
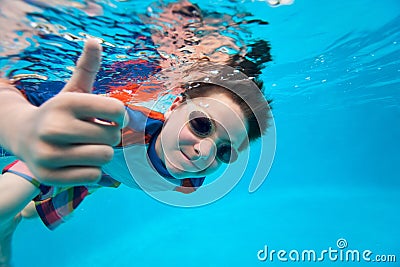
(200, 135)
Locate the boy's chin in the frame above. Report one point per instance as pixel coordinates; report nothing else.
(182, 174)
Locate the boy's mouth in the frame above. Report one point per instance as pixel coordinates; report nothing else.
(190, 161)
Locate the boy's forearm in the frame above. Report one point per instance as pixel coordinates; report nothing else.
(15, 194)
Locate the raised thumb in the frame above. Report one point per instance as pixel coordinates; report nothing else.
(86, 68)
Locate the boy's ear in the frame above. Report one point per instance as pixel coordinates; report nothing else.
(177, 102)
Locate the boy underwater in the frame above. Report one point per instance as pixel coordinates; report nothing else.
(69, 142)
(205, 127)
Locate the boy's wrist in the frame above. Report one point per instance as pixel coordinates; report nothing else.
(15, 112)
(19, 134)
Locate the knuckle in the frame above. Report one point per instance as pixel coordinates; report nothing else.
(51, 125)
(61, 101)
(46, 176)
(92, 176)
(49, 130)
(115, 137)
(117, 107)
(45, 155)
(107, 154)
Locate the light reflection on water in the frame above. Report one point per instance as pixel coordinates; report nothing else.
(55, 35)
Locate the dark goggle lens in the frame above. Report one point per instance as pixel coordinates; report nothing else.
(200, 124)
(226, 154)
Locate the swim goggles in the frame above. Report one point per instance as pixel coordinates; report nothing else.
(203, 126)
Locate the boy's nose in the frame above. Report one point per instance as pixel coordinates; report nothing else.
(204, 150)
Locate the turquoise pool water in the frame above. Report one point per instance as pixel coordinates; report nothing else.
(335, 83)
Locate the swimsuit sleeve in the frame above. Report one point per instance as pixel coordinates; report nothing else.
(54, 205)
(189, 185)
(38, 93)
(21, 169)
(58, 208)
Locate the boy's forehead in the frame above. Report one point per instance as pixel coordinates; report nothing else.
(218, 105)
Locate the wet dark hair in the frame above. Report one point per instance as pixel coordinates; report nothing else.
(253, 62)
(252, 103)
(247, 94)
(250, 99)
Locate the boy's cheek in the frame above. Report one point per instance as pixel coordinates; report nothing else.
(186, 137)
